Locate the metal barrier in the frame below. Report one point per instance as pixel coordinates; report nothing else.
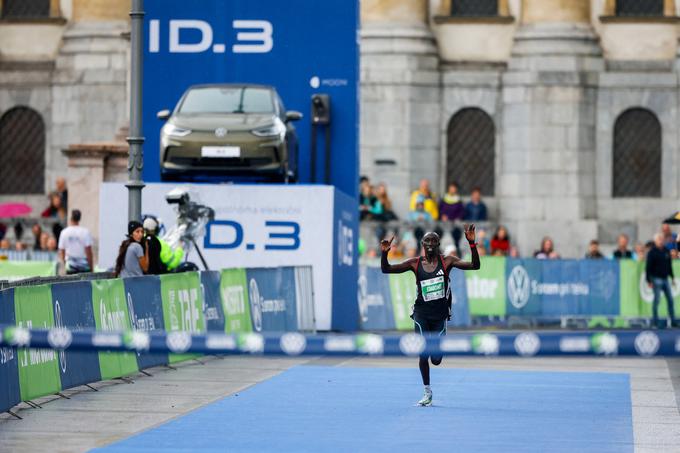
(34, 281)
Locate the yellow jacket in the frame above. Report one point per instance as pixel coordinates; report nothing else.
(430, 203)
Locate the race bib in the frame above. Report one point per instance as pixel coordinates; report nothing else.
(433, 288)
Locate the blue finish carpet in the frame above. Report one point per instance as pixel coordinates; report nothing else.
(323, 409)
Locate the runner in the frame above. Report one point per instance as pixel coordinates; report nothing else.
(433, 303)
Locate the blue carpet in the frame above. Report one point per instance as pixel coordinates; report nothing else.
(320, 409)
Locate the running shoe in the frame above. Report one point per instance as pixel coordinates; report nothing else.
(426, 400)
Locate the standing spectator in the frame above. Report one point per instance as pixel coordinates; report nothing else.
(61, 189)
(658, 269)
(669, 238)
(425, 195)
(55, 211)
(367, 201)
(622, 250)
(475, 210)
(500, 242)
(132, 260)
(384, 200)
(594, 250)
(640, 252)
(37, 233)
(547, 250)
(75, 247)
(4, 244)
(451, 209)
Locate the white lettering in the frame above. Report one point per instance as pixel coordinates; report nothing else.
(206, 36)
(263, 37)
(154, 36)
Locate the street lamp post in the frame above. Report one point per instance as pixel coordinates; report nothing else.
(135, 139)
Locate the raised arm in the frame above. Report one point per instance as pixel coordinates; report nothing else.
(387, 268)
(454, 261)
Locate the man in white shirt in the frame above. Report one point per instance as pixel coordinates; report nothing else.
(75, 246)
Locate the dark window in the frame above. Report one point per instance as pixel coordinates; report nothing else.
(637, 154)
(470, 151)
(25, 9)
(639, 7)
(22, 152)
(474, 7)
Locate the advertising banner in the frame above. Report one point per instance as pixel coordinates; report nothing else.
(109, 302)
(259, 42)
(145, 309)
(72, 305)
(235, 302)
(403, 292)
(212, 301)
(645, 294)
(273, 306)
(38, 368)
(486, 287)
(345, 227)
(460, 311)
(182, 306)
(18, 270)
(10, 394)
(375, 304)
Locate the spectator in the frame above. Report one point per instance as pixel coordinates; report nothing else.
(367, 201)
(658, 269)
(44, 237)
(419, 214)
(51, 244)
(514, 252)
(75, 247)
(500, 243)
(594, 251)
(132, 260)
(55, 211)
(475, 210)
(384, 200)
(640, 252)
(622, 250)
(37, 233)
(425, 195)
(19, 246)
(547, 250)
(669, 238)
(674, 254)
(451, 208)
(61, 189)
(4, 244)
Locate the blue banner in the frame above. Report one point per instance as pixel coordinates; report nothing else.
(212, 301)
(375, 303)
(145, 308)
(72, 305)
(10, 394)
(460, 312)
(272, 299)
(345, 315)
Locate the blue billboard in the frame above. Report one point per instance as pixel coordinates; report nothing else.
(300, 47)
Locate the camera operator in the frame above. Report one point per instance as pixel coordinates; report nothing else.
(162, 258)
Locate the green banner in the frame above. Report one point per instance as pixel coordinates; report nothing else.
(111, 314)
(235, 301)
(182, 306)
(629, 285)
(645, 294)
(18, 270)
(486, 287)
(403, 292)
(38, 368)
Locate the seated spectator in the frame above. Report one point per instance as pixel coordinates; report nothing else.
(19, 246)
(367, 201)
(547, 250)
(51, 244)
(640, 252)
(4, 244)
(622, 250)
(500, 242)
(594, 250)
(44, 237)
(451, 208)
(669, 238)
(61, 189)
(475, 210)
(425, 196)
(419, 214)
(514, 252)
(37, 233)
(384, 201)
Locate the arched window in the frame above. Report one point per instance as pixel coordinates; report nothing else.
(637, 154)
(470, 151)
(22, 152)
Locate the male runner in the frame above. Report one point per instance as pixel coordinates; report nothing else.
(432, 308)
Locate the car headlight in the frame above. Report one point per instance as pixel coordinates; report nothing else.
(278, 128)
(174, 131)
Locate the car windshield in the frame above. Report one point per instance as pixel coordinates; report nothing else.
(228, 100)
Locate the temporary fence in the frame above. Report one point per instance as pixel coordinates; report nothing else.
(232, 301)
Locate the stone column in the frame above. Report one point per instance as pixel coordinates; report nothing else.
(400, 91)
(547, 162)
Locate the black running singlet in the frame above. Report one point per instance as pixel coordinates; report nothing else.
(432, 300)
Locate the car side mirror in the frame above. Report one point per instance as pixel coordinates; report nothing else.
(163, 114)
(293, 115)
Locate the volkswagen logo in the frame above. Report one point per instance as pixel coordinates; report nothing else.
(518, 287)
(293, 343)
(527, 344)
(412, 344)
(178, 341)
(220, 132)
(647, 343)
(256, 305)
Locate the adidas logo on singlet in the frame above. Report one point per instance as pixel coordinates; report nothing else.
(440, 272)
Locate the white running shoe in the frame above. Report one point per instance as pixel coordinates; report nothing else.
(426, 399)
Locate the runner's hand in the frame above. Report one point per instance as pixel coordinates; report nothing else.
(470, 232)
(386, 245)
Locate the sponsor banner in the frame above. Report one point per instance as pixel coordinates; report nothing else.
(235, 302)
(10, 394)
(486, 287)
(304, 294)
(213, 312)
(72, 306)
(110, 308)
(182, 307)
(345, 316)
(145, 309)
(460, 312)
(629, 287)
(403, 294)
(375, 304)
(272, 299)
(18, 270)
(38, 368)
(646, 294)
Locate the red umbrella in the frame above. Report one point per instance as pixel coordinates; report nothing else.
(9, 210)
